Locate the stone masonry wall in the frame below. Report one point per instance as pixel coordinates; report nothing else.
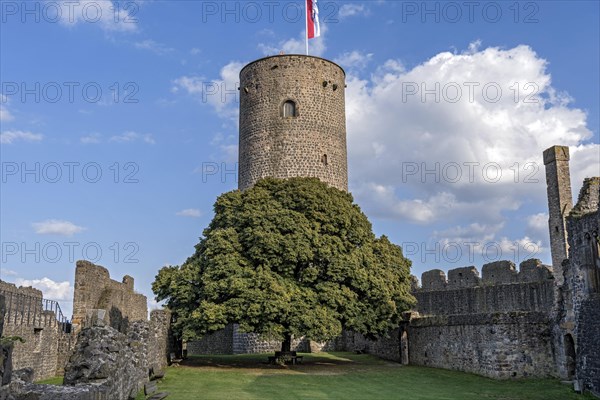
(588, 335)
(232, 341)
(560, 203)
(220, 342)
(582, 286)
(47, 343)
(159, 341)
(310, 144)
(386, 347)
(500, 345)
(95, 290)
(252, 343)
(501, 289)
(498, 325)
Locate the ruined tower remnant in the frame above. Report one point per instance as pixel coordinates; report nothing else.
(560, 203)
(292, 120)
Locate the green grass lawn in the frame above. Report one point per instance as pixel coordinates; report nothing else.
(58, 380)
(341, 376)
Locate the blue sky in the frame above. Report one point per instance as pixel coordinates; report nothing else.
(125, 115)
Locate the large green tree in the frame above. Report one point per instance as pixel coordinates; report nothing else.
(288, 258)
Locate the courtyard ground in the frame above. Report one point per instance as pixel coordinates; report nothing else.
(341, 376)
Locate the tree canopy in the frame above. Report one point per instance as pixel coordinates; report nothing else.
(288, 257)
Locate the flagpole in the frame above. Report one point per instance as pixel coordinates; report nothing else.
(306, 23)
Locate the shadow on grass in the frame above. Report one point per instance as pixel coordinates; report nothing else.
(310, 362)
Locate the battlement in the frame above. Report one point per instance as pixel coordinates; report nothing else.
(495, 273)
(499, 289)
(21, 290)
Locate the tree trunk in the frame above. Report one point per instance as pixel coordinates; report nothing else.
(286, 345)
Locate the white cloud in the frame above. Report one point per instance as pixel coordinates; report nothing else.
(9, 137)
(93, 138)
(155, 47)
(354, 59)
(7, 272)
(297, 45)
(5, 115)
(155, 305)
(538, 222)
(481, 242)
(51, 289)
(130, 137)
(416, 158)
(110, 16)
(221, 93)
(584, 164)
(537, 227)
(56, 227)
(352, 9)
(472, 233)
(228, 147)
(190, 212)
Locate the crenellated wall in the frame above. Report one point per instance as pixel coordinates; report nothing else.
(500, 289)
(496, 325)
(47, 338)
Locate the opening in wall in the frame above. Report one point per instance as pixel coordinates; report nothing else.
(570, 356)
(37, 339)
(289, 109)
(324, 159)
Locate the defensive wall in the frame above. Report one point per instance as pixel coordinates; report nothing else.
(46, 333)
(496, 325)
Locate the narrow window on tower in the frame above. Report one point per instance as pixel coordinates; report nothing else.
(289, 109)
(324, 159)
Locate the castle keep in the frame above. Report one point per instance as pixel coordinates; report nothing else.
(293, 120)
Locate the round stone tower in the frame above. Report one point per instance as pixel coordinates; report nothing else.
(293, 120)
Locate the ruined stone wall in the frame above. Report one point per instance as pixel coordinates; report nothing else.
(581, 317)
(498, 325)
(95, 290)
(47, 341)
(312, 143)
(560, 203)
(116, 363)
(588, 344)
(159, 342)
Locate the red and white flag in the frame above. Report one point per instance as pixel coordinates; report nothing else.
(313, 29)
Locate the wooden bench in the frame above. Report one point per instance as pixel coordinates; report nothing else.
(151, 388)
(294, 359)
